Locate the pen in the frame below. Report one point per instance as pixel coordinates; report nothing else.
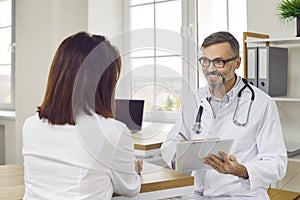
(182, 135)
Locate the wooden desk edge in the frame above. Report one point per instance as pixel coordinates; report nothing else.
(278, 194)
(146, 147)
(164, 185)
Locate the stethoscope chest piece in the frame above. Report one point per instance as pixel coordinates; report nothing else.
(197, 127)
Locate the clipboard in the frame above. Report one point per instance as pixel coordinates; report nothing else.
(190, 154)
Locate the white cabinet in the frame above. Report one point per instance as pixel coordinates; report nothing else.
(288, 106)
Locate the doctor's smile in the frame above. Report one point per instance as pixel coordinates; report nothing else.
(213, 76)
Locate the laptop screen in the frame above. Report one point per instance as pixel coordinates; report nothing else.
(130, 112)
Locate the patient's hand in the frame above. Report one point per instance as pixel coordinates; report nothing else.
(139, 166)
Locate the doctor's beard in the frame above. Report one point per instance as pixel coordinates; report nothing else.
(215, 85)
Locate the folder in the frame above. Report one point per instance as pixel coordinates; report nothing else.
(190, 154)
(272, 70)
(252, 66)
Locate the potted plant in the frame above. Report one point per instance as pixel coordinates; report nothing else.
(290, 9)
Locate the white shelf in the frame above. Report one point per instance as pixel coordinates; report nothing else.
(287, 99)
(293, 146)
(294, 159)
(287, 42)
(275, 41)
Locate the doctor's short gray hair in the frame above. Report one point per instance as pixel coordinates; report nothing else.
(220, 37)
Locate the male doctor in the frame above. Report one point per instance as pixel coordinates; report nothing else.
(258, 155)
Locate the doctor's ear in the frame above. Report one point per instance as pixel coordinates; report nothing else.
(238, 62)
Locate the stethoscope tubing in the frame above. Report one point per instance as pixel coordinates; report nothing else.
(197, 128)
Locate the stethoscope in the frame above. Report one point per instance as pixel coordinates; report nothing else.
(197, 128)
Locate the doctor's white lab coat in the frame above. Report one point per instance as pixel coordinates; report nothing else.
(258, 145)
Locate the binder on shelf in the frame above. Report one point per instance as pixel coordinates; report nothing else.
(272, 70)
(252, 67)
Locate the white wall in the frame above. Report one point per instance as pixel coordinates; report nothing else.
(106, 17)
(262, 17)
(40, 27)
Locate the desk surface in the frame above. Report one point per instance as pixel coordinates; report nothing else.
(148, 140)
(276, 194)
(154, 178)
(11, 182)
(159, 178)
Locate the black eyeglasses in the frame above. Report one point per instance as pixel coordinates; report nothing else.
(218, 63)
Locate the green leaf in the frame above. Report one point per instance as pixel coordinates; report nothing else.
(289, 9)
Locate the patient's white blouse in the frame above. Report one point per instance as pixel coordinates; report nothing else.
(89, 161)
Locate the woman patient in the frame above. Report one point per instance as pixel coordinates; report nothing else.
(73, 148)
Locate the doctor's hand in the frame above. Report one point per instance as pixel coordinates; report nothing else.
(226, 165)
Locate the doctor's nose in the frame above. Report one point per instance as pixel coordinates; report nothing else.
(211, 67)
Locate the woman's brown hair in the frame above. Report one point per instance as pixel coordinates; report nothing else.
(82, 78)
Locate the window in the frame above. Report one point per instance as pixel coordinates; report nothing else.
(6, 55)
(163, 73)
(156, 66)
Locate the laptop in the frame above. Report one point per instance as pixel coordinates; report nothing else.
(130, 112)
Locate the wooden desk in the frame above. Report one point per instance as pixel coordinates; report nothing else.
(11, 182)
(157, 183)
(276, 194)
(160, 182)
(148, 140)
